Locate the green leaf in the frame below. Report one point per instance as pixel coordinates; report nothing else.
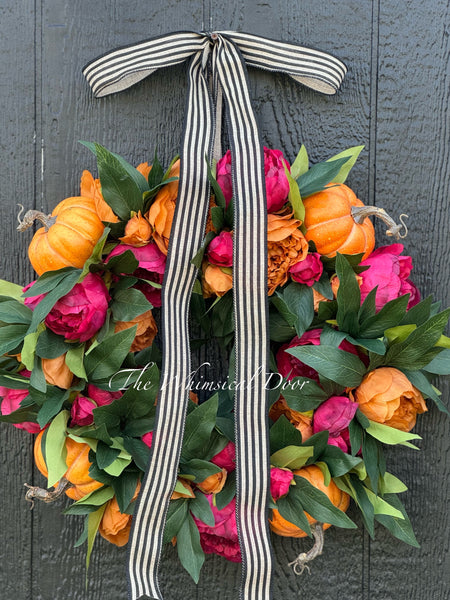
(55, 447)
(280, 330)
(228, 492)
(11, 336)
(13, 381)
(359, 494)
(20, 415)
(303, 394)
(292, 457)
(299, 302)
(389, 316)
(339, 366)
(139, 451)
(189, 549)
(129, 304)
(48, 281)
(418, 314)
(97, 497)
(198, 258)
(391, 436)
(84, 535)
(12, 311)
(294, 196)
(119, 189)
(199, 425)
(440, 365)
(400, 528)
(125, 488)
(351, 154)
(323, 286)
(156, 174)
(319, 442)
(375, 346)
(420, 381)
(200, 469)
(74, 360)
(105, 359)
(291, 508)
(217, 190)
(122, 263)
(105, 455)
(54, 399)
(300, 164)
(282, 434)
(94, 519)
(47, 303)
(368, 307)
(371, 456)
(339, 462)
(12, 290)
(200, 508)
(50, 345)
(395, 335)
(28, 352)
(381, 507)
(176, 515)
(217, 217)
(389, 484)
(348, 297)
(96, 256)
(317, 504)
(319, 175)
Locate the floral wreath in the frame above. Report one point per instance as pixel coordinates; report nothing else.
(353, 354)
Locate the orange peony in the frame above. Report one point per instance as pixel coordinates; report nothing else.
(160, 214)
(91, 188)
(301, 421)
(138, 231)
(115, 526)
(214, 483)
(56, 372)
(145, 332)
(286, 246)
(314, 475)
(216, 280)
(144, 169)
(386, 396)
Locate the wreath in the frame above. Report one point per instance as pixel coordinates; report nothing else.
(353, 354)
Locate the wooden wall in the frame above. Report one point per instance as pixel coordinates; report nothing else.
(394, 100)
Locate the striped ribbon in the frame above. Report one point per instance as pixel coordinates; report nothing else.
(217, 66)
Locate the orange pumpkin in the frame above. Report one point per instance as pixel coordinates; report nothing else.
(68, 236)
(314, 475)
(78, 464)
(332, 223)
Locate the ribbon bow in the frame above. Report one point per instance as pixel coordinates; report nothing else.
(217, 66)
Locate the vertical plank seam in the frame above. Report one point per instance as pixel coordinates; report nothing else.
(374, 73)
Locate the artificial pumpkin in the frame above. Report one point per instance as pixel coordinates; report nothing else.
(78, 465)
(314, 475)
(332, 222)
(68, 236)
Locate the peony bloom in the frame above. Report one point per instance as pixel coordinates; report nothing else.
(144, 169)
(10, 402)
(220, 250)
(226, 458)
(145, 333)
(161, 212)
(286, 246)
(101, 397)
(147, 438)
(214, 483)
(152, 263)
(277, 185)
(389, 271)
(301, 421)
(280, 480)
(307, 271)
(216, 281)
(91, 188)
(56, 372)
(137, 231)
(221, 538)
(116, 526)
(334, 415)
(386, 396)
(81, 412)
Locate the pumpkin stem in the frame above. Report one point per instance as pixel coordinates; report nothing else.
(34, 215)
(300, 563)
(359, 213)
(38, 493)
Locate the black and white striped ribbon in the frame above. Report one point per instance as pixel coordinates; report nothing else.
(219, 58)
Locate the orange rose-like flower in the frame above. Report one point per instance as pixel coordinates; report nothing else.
(286, 246)
(386, 396)
(214, 483)
(144, 169)
(91, 188)
(216, 280)
(115, 526)
(137, 231)
(145, 332)
(56, 372)
(160, 214)
(301, 421)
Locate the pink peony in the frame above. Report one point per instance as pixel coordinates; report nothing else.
(226, 458)
(34, 300)
(334, 415)
(307, 271)
(101, 397)
(291, 367)
(342, 440)
(280, 481)
(11, 400)
(152, 263)
(220, 250)
(222, 538)
(277, 185)
(389, 271)
(79, 314)
(147, 438)
(81, 411)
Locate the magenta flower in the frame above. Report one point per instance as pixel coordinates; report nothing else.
(81, 411)
(277, 185)
(147, 438)
(389, 271)
(307, 271)
(226, 458)
(220, 250)
(101, 397)
(222, 538)
(334, 415)
(10, 402)
(280, 480)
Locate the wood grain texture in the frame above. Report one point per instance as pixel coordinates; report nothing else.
(394, 100)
